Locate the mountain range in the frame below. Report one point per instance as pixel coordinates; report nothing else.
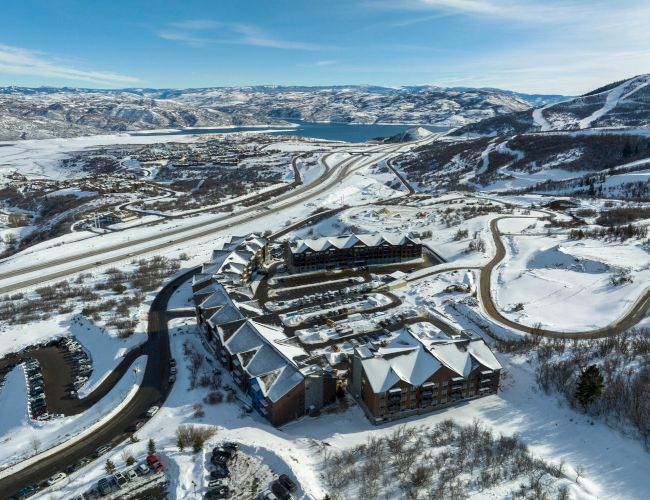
(36, 113)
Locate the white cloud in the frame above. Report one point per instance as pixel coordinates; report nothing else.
(202, 32)
(534, 11)
(564, 46)
(319, 64)
(20, 61)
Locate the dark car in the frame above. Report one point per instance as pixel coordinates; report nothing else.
(219, 492)
(27, 491)
(230, 445)
(136, 427)
(223, 451)
(219, 460)
(219, 472)
(280, 491)
(287, 482)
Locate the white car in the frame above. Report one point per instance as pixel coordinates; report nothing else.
(56, 478)
(152, 411)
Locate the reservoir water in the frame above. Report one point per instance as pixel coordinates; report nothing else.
(326, 131)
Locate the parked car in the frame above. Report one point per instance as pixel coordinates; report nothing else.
(287, 482)
(101, 450)
(27, 491)
(152, 411)
(219, 460)
(142, 469)
(136, 427)
(154, 463)
(230, 445)
(218, 493)
(171, 379)
(223, 451)
(104, 486)
(131, 475)
(267, 495)
(219, 472)
(56, 478)
(120, 478)
(280, 491)
(172, 362)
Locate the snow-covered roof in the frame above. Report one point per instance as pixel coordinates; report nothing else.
(218, 297)
(409, 359)
(225, 314)
(351, 240)
(233, 258)
(266, 357)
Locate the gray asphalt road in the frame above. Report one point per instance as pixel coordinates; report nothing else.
(154, 390)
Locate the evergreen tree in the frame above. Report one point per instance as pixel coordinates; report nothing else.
(110, 466)
(151, 447)
(590, 385)
(627, 150)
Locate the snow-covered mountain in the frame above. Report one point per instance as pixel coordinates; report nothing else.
(551, 149)
(46, 113)
(63, 112)
(620, 104)
(362, 104)
(412, 134)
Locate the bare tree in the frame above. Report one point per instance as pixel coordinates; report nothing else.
(34, 443)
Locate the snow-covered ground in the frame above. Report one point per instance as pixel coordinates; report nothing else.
(19, 431)
(105, 350)
(552, 431)
(564, 284)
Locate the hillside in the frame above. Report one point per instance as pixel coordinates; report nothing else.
(620, 104)
(35, 113)
(593, 145)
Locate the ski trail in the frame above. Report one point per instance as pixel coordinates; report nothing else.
(612, 100)
(540, 120)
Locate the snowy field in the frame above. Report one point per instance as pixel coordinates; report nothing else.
(552, 431)
(564, 284)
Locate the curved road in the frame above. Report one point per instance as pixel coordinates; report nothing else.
(628, 320)
(153, 390)
(327, 181)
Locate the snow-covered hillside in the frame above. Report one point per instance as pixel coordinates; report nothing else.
(50, 112)
(619, 104)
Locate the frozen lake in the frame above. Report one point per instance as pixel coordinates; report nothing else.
(327, 131)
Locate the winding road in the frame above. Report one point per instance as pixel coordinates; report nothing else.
(155, 387)
(153, 390)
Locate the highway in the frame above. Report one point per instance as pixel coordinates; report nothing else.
(154, 387)
(140, 246)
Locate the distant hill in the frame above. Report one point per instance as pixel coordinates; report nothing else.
(412, 134)
(617, 105)
(32, 113)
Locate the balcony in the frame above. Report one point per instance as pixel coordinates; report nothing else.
(426, 393)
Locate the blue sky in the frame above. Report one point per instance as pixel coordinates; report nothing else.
(552, 46)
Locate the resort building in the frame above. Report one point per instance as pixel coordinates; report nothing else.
(351, 250)
(281, 379)
(411, 375)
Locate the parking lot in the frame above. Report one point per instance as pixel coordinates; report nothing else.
(234, 474)
(53, 372)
